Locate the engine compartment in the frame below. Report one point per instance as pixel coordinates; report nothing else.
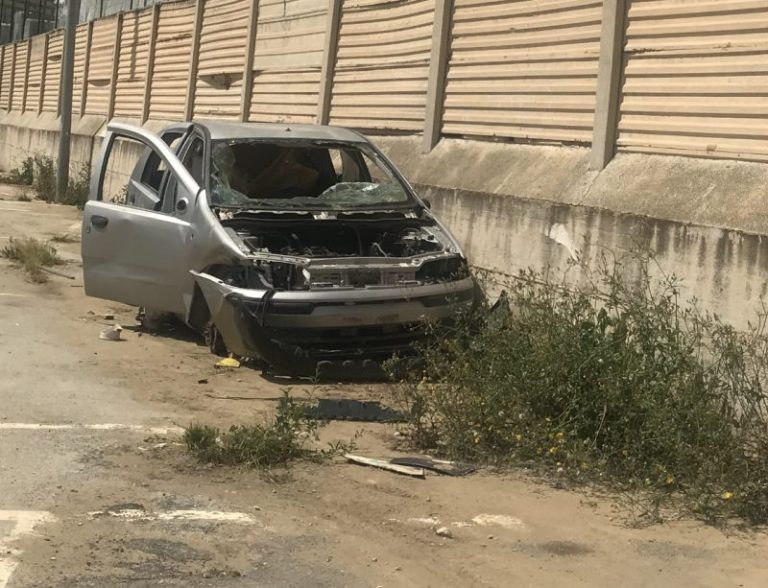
(345, 253)
(337, 239)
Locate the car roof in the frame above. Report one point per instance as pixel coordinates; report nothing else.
(237, 130)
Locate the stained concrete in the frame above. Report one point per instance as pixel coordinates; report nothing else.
(519, 206)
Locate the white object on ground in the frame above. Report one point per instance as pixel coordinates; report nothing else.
(385, 465)
(112, 333)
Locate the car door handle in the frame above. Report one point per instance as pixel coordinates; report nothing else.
(99, 221)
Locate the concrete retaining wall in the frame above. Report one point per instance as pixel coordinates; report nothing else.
(516, 206)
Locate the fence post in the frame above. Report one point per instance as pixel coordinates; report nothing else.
(438, 64)
(12, 78)
(329, 61)
(608, 83)
(25, 92)
(115, 65)
(43, 73)
(150, 63)
(250, 47)
(2, 66)
(86, 65)
(189, 102)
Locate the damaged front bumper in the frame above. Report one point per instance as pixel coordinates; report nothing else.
(306, 333)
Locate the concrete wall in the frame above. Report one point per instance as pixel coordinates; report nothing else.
(26, 135)
(518, 206)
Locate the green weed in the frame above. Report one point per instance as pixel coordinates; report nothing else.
(32, 255)
(262, 445)
(39, 172)
(609, 380)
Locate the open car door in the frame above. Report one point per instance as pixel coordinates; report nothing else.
(131, 254)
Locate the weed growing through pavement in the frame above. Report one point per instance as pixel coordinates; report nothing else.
(33, 256)
(612, 380)
(263, 445)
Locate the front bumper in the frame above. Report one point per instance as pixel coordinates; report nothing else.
(351, 331)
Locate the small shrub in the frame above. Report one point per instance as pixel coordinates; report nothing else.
(607, 380)
(40, 171)
(23, 195)
(32, 255)
(44, 182)
(24, 174)
(261, 445)
(79, 187)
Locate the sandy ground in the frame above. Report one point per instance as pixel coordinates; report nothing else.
(334, 524)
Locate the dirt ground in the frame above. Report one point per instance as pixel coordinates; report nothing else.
(95, 489)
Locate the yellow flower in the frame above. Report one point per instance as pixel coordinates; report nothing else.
(727, 495)
(560, 435)
(552, 450)
(670, 479)
(518, 437)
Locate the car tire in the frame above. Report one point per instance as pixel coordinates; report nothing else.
(214, 340)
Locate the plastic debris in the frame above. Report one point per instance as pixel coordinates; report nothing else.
(441, 466)
(112, 333)
(385, 465)
(444, 532)
(228, 362)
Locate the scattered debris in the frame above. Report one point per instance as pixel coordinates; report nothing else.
(485, 520)
(444, 532)
(156, 446)
(137, 513)
(55, 273)
(481, 520)
(448, 468)
(202, 381)
(227, 362)
(422, 520)
(355, 410)
(385, 465)
(112, 333)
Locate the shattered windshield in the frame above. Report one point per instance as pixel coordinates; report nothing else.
(297, 175)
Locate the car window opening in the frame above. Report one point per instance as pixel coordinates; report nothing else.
(257, 174)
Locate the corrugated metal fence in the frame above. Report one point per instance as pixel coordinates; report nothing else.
(694, 73)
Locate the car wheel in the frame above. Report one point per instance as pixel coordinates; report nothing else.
(214, 340)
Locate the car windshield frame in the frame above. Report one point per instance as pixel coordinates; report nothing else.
(366, 149)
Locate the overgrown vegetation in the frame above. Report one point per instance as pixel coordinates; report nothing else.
(33, 256)
(24, 174)
(613, 380)
(39, 172)
(263, 445)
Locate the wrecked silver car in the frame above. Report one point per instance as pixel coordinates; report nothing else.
(299, 245)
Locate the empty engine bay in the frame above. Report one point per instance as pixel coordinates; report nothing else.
(346, 253)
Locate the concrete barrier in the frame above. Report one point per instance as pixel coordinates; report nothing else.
(517, 206)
